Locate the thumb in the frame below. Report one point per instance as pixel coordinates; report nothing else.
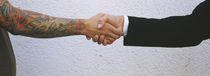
(102, 21)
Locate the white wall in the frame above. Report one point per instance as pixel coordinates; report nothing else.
(75, 56)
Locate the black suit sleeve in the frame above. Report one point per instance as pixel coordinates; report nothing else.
(177, 31)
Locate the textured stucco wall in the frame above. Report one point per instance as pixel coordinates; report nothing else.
(75, 56)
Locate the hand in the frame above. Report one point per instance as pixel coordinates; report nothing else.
(116, 21)
(107, 39)
(91, 29)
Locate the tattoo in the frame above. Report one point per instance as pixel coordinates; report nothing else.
(33, 24)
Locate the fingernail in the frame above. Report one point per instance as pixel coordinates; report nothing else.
(96, 37)
(99, 25)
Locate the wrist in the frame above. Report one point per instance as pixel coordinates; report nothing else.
(81, 26)
(121, 25)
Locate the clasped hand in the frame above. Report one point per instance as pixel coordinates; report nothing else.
(103, 28)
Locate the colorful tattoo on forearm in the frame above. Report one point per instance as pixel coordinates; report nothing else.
(29, 23)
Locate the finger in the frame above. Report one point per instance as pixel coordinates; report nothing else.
(110, 39)
(109, 42)
(99, 15)
(105, 42)
(88, 38)
(103, 20)
(114, 30)
(99, 42)
(112, 35)
(95, 38)
(101, 39)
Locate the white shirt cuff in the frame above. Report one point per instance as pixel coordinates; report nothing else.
(126, 24)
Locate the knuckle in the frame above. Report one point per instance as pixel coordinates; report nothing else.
(101, 13)
(118, 37)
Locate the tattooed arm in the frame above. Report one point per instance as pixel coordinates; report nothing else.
(29, 23)
(32, 24)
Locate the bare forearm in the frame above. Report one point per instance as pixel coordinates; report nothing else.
(38, 25)
(29, 23)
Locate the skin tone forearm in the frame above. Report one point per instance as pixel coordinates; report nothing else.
(29, 23)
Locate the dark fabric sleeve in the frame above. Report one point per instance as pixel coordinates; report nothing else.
(176, 31)
(7, 57)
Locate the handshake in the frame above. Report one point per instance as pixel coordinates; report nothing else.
(103, 28)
